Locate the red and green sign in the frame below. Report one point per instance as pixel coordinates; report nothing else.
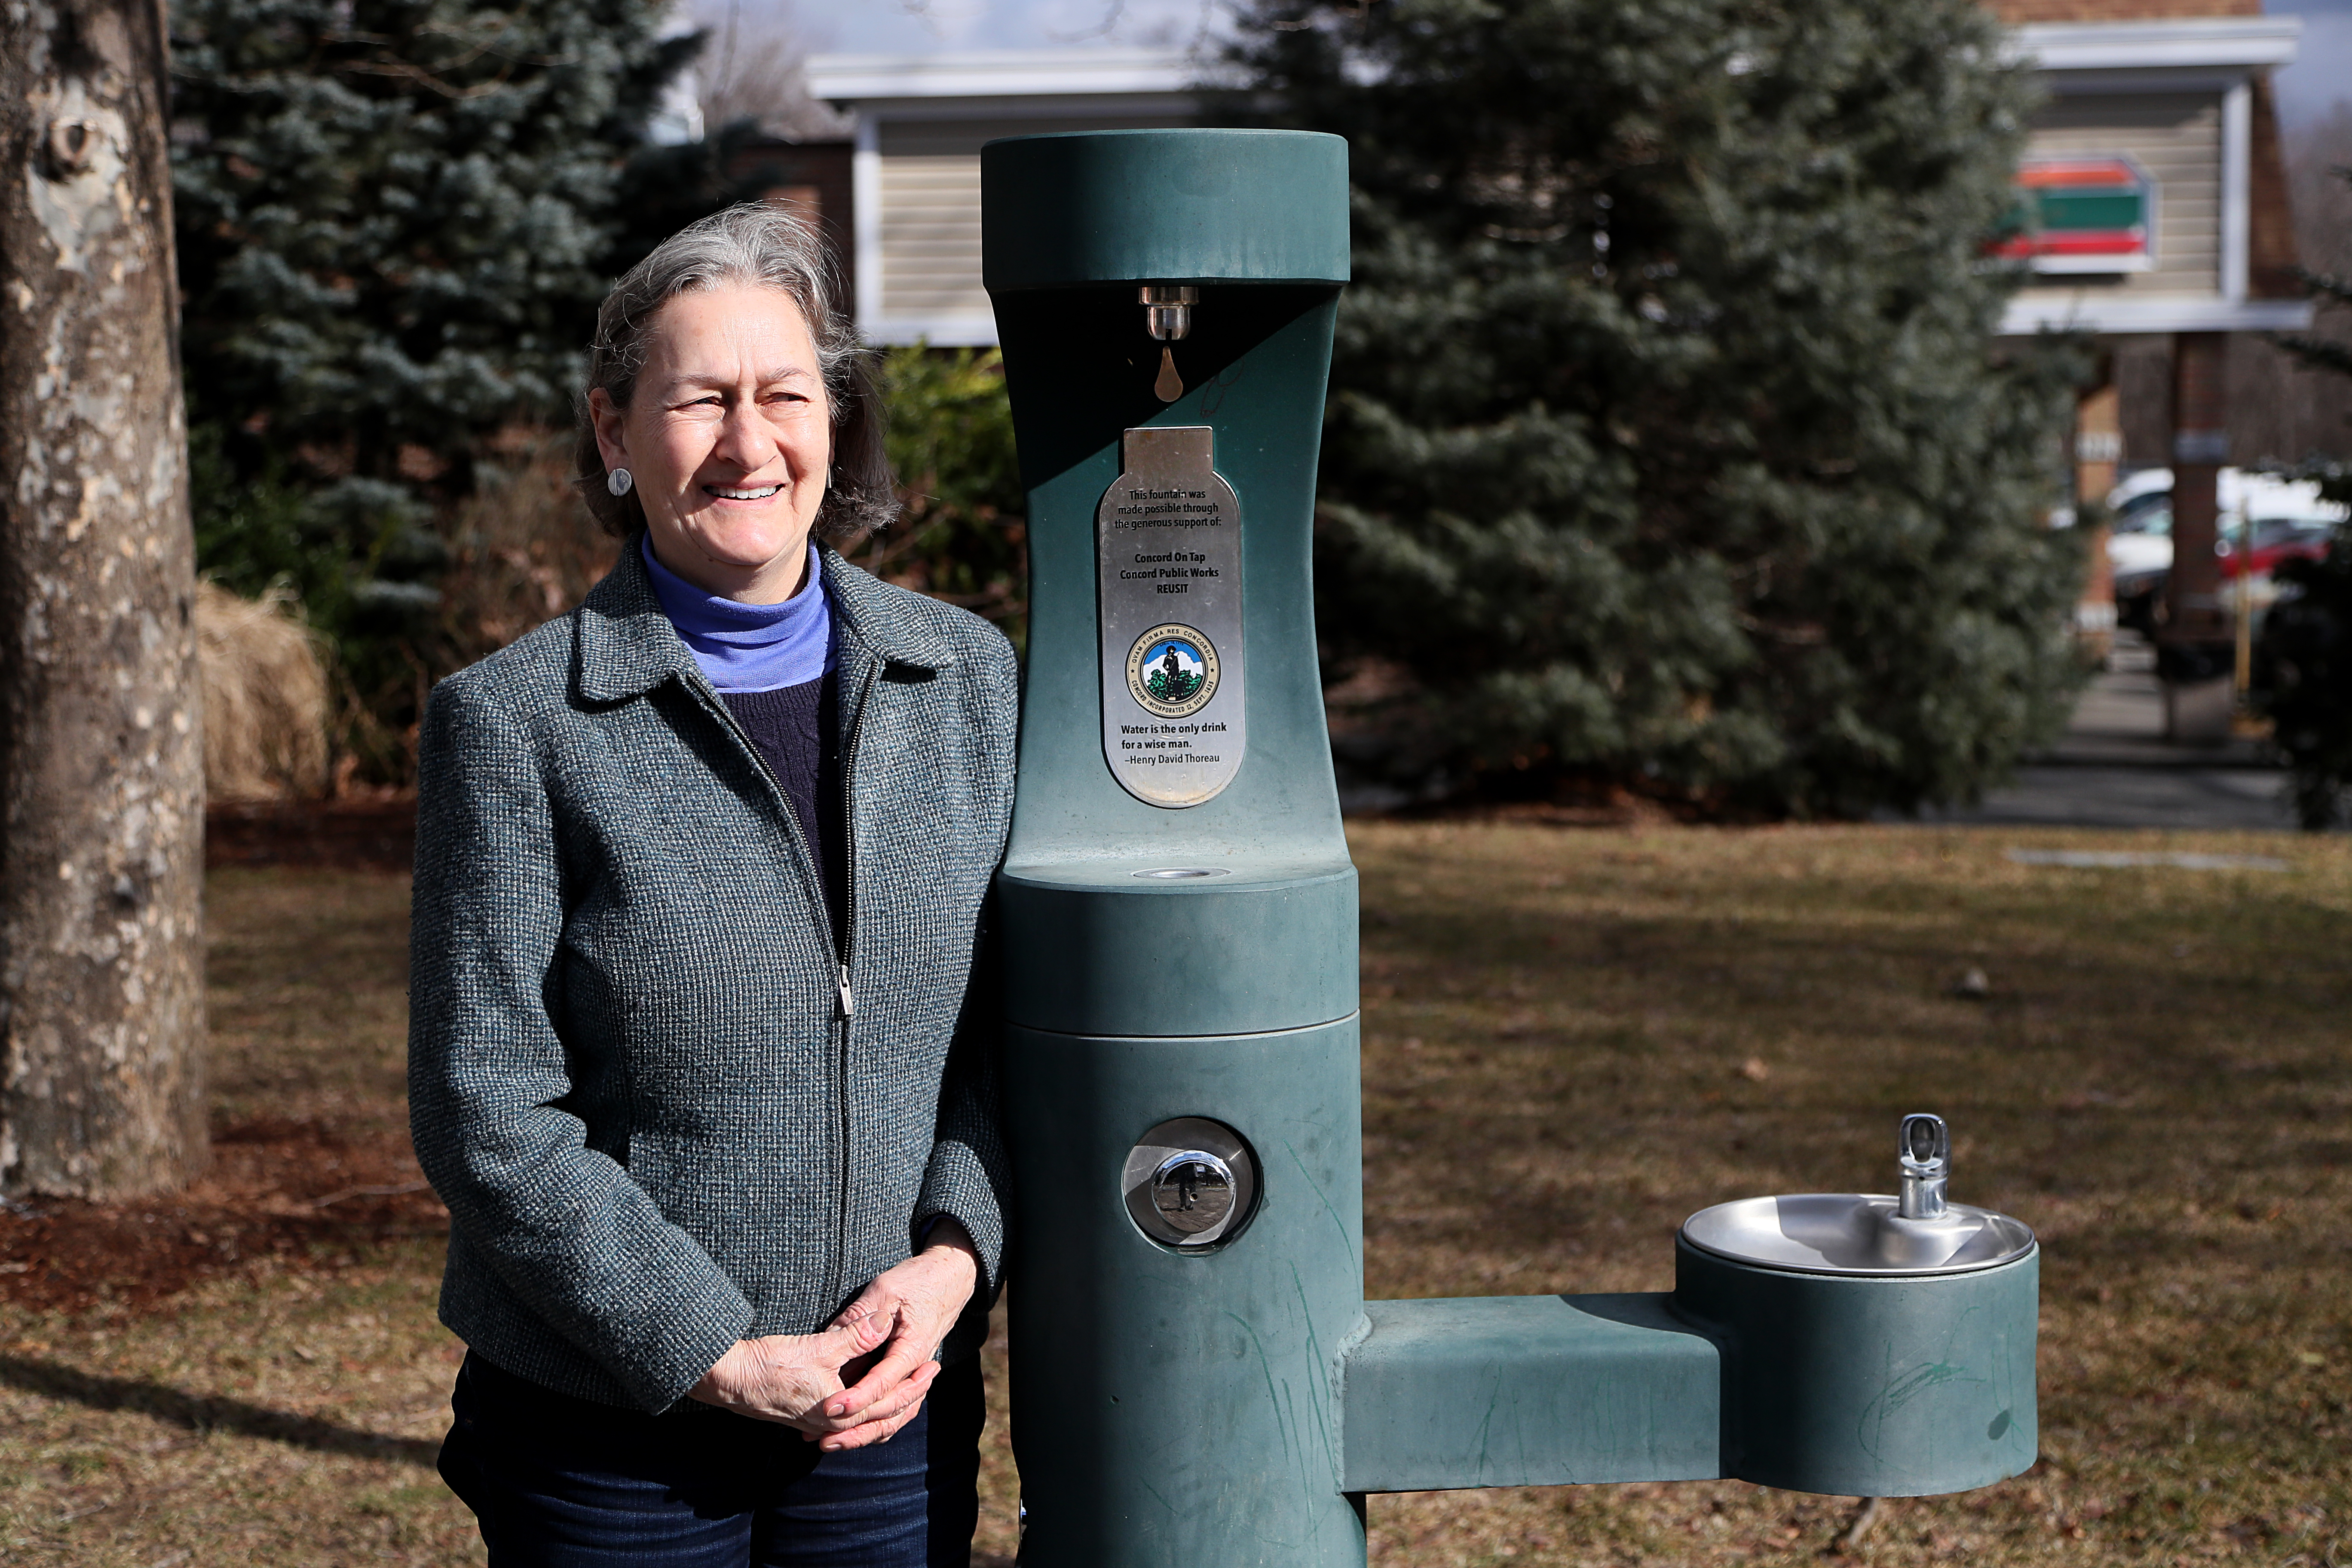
(2082, 215)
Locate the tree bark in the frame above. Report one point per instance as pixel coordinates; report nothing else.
(101, 763)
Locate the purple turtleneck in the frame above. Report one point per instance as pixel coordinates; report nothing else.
(772, 666)
(749, 648)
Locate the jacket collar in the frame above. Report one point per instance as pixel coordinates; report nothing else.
(875, 613)
(624, 645)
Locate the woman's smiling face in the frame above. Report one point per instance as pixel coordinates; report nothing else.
(728, 436)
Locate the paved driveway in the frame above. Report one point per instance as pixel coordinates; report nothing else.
(2114, 768)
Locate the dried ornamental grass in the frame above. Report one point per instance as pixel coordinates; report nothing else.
(265, 696)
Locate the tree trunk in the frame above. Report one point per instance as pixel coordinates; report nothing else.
(101, 763)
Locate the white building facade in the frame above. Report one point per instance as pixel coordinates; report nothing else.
(915, 170)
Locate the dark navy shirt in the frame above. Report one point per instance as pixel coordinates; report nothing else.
(773, 665)
(797, 734)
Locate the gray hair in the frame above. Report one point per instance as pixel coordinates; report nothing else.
(762, 247)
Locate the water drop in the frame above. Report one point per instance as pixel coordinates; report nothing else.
(1170, 386)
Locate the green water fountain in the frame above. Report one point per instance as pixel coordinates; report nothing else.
(1197, 1379)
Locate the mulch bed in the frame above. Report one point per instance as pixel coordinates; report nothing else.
(348, 835)
(303, 1193)
(299, 1193)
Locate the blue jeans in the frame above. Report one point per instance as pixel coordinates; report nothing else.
(558, 1482)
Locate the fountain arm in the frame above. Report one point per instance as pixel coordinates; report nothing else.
(1520, 1391)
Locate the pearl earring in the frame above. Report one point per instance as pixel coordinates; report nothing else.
(620, 481)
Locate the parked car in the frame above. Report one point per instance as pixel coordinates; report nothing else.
(2139, 556)
(2277, 538)
(2288, 520)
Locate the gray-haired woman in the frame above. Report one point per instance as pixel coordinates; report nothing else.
(699, 1059)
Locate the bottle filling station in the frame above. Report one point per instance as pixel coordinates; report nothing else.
(1197, 1379)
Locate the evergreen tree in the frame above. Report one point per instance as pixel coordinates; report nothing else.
(662, 188)
(2305, 658)
(395, 218)
(2330, 354)
(2305, 666)
(394, 214)
(1668, 436)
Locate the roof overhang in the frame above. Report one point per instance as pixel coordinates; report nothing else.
(2109, 314)
(2192, 43)
(992, 75)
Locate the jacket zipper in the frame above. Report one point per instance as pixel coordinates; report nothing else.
(848, 940)
(844, 999)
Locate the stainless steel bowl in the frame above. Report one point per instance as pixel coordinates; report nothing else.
(1855, 1233)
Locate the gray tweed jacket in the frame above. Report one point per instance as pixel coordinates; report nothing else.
(662, 1117)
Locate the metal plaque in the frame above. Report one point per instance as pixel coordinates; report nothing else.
(1168, 542)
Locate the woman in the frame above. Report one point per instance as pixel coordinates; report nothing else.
(697, 1058)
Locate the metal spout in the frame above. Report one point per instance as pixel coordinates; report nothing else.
(1168, 308)
(1924, 1152)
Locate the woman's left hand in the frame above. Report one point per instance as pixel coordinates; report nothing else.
(923, 1297)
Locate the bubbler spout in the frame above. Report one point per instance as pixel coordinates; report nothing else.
(1167, 313)
(1168, 309)
(1924, 1156)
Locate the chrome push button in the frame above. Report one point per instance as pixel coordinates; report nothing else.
(1190, 1183)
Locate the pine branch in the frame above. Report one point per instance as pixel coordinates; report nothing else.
(2319, 353)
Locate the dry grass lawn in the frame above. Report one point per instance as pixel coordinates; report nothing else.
(1581, 1036)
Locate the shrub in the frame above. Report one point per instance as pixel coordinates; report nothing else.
(962, 536)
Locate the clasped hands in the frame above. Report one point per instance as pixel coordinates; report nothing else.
(895, 1323)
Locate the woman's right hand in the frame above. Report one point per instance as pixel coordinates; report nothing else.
(787, 1378)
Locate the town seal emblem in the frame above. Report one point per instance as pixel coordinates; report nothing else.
(1172, 671)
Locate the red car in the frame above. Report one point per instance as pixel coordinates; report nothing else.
(2276, 538)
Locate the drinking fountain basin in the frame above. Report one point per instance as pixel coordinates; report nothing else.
(1856, 1233)
(1874, 1345)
